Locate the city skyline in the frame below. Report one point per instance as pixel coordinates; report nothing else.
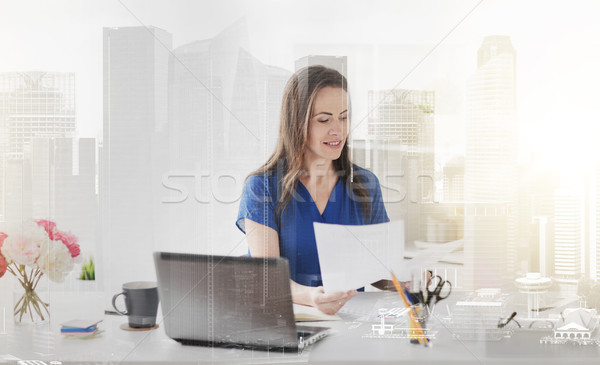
(222, 84)
(405, 140)
(547, 53)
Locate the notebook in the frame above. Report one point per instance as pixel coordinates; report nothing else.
(230, 301)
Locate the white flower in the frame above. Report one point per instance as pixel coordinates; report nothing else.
(23, 243)
(37, 233)
(20, 249)
(55, 260)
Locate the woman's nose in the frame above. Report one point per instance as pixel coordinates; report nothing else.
(338, 128)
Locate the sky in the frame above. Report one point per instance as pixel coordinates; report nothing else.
(429, 45)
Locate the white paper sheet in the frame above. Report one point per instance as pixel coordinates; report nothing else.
(355, 256)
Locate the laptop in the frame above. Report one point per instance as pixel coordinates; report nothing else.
(228, 301)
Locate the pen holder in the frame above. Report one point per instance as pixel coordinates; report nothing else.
(418, 324)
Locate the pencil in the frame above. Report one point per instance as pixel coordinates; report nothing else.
(413, 319)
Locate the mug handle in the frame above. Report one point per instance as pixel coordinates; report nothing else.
(114, 300)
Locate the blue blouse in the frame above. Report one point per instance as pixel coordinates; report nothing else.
(295, 228)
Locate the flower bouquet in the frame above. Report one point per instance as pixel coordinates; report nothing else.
(28, 252)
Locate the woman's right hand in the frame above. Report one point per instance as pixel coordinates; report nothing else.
(330, 303)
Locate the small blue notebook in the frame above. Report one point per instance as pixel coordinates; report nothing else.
(80, 325)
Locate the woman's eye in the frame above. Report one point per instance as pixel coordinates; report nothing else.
(323, 120)
(344, 118)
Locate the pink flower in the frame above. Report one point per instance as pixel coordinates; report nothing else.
(49, 227)
(3, 265)
(70, 241)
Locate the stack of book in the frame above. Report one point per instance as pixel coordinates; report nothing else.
(80, 328)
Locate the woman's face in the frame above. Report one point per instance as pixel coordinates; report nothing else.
(328, 124)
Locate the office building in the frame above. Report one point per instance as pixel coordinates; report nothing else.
(442, 221)
(257, 95)
(490, 164)
(387, 159)
(403, 121)
(135, 117)
(535, 211)
(407, 116)
(485, 264)
(223, 124)
(201, 84)
(37, 103)
(338, 63)
(540, 255)
(454, 180)
(32, 104)
(568, 235)
(536, 216)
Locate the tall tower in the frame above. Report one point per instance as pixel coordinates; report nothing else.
(136, 61)
(490, 166)
(403, 121)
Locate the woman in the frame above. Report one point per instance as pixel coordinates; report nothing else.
(309, 178)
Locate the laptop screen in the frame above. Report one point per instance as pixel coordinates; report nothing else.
(226, 300)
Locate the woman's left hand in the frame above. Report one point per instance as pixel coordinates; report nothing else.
(330, 303)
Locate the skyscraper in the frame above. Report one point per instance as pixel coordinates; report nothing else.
(490, 165)
(223, 123)
(568, 234)
(403, 120)
(136, 61)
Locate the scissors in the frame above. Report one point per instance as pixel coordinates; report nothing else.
(441, 290)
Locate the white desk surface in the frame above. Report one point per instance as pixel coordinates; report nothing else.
(346, 343)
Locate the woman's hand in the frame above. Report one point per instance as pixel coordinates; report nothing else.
(330, 303)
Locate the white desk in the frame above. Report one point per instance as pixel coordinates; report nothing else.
(44, 342)
(345, 345)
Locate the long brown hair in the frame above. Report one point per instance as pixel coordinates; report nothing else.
(296, 109)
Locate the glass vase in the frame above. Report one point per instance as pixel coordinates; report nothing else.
(30, 300)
